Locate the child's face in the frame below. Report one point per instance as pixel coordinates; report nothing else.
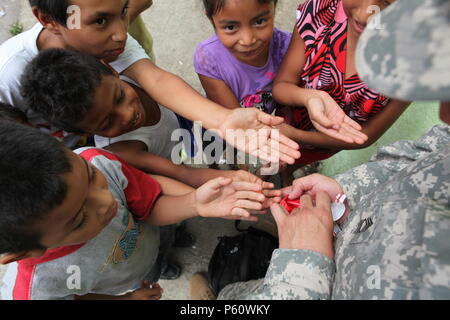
(116, 109)
(245, 27)
(86, 210)
(359, 11)
(103, 28)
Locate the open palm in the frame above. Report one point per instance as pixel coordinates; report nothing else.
(223, 198)
(252, 131)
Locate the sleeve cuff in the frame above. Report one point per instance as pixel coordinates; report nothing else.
(300, 274)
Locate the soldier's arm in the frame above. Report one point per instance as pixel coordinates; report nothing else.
(389, 161)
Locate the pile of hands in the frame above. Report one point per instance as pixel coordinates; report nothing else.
(245, 196)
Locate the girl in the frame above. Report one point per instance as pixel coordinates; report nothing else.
(318, 77)
(237, 65)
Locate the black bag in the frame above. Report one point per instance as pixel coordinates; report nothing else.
(240, 258)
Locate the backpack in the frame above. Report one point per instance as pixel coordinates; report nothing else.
(240, 258)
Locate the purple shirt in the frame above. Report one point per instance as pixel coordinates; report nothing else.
(251, 85)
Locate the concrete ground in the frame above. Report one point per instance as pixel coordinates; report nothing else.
(177, 27)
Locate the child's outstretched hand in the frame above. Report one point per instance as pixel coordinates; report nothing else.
(223, 198)
(267, 188)
(329, 118)
(146, 292)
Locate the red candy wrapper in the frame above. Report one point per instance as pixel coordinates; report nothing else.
(288, 204)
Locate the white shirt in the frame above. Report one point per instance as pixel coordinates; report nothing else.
(157, 138)
(17, 52)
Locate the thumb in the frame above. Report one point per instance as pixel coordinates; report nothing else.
(268, 119)
(279, 214)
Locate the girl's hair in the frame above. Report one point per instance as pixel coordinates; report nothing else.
(214, 6)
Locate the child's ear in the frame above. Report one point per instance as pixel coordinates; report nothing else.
(48, 23)
(13, 257)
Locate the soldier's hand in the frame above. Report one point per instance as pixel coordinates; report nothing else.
(313, 184)
(309, 227)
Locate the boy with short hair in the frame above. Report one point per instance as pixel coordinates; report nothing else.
(85, 224)
(99, 28)
(78, 93)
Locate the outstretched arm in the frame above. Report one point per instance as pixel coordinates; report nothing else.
(373, 129)
(174, 93)
(219, 198)
(323, 111)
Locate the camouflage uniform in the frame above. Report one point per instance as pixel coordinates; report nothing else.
(394, 244)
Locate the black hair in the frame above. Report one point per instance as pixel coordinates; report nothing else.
(60, 86)
(55, 9)
(214, 6)
(31, 185)
(8, 112)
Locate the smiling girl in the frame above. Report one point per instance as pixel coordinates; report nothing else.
(238, 64)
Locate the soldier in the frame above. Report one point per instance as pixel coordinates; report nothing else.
(394, 242)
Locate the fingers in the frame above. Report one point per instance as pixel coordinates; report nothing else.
(352, 123)
(240, 212)
(279, 214)
(345, 134)
(247, 186)
(300, 187)
(268, 119)
(270, 193)
(267, 185)
(249, 205)
(249, 195)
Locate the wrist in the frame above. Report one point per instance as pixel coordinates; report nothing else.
(311, 94)
(194, 203)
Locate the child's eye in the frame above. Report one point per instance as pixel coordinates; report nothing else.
(229, 28)
(260, 21)
(125, 11)
(100, 21)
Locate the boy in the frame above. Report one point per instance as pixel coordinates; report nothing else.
(99, 28)
(76, 92)
(85, 225)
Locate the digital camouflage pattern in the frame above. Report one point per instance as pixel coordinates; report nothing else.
(404, 52)
(394, 244)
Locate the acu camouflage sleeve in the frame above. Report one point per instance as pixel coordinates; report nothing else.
(388, 161)
(292, 275)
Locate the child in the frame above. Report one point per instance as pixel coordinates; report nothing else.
(100, 28)
(85, 225)
(78, 93)
(238, 64)
(318, 77)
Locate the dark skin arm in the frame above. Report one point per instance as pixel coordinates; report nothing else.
(219, 92)
(136, 7)
(287, 92)
(136, 154)
(374, 129)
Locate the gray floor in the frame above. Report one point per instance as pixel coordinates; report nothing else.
(176, 26)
